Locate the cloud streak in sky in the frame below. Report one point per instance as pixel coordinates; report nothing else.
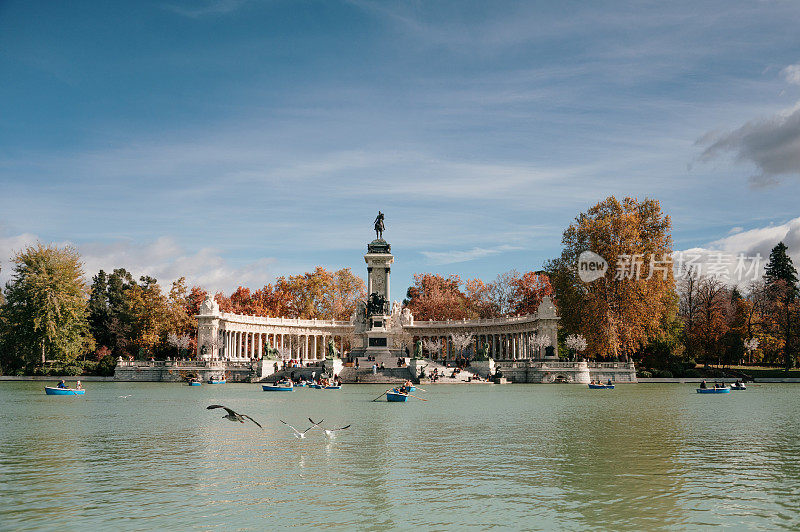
(455, 256)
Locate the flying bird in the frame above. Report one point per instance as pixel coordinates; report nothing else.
(329, 433)
(124, 396)
(234, 416)
(300, 435)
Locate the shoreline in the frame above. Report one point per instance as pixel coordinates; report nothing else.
(652, 380)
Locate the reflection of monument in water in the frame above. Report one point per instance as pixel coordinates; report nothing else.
(384, 330)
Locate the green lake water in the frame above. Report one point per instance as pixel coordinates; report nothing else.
(522, 457)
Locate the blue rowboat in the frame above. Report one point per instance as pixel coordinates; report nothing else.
(601, 386)
(301, 385)
(331, 387)
(195, 383)
(276, 388)
(396, 397)
(714, 390)
(315, 386)
(740, 388)
(213, 381)
(52, 390)
(412, 388)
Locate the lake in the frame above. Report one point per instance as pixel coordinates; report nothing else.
(527, 457)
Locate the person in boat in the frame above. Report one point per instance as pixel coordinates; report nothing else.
(61, 384)
(78, 386)
(703, 385)
(609, 382)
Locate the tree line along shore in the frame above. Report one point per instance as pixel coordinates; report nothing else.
(673, 320)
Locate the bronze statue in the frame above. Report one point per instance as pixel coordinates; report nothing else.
(379, 227)
(376, 304)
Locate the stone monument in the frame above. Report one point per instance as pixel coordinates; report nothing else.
(377, 314)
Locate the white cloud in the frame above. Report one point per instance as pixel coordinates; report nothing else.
(162, 259)
(213, 7)
(750, 244)
(792, 74)
(450, 257)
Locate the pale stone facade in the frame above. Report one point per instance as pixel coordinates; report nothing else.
(389, 331)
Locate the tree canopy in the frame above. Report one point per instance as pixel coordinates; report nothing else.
(45, 312)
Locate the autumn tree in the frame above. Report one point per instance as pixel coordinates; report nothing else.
(434, 297)
(320, 294)
(621, 310)
(45, 312)
(148, 312)
(479, 299)
(711, 324)
(528, 291)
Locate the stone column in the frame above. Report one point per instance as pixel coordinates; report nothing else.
(260, 348)
(305, 352)
(314, 347)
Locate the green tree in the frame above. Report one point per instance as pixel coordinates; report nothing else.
(118, 287)
(45, 314)
(99, 315)
(780, 277)
(780, 267)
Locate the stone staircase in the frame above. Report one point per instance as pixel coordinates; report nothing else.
(364, 375)
(444, 373)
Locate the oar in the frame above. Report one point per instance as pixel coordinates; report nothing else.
(420, 389)
(381, 395)
(415, 397)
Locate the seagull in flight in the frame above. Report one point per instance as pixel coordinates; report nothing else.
(300, 435)
(124, 396)
(329, 433)
(234, 416)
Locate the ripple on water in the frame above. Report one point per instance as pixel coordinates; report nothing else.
(524, 457)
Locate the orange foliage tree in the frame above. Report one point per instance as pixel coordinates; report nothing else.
(617, 314)
(320, 294)
(434, 297)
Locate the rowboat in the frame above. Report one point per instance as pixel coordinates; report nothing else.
(277, 388)
(601, 386)
(214, 381)
(301, 385)
(195, 383)
(53, 390)
(714, 390)
(337, 387)
(396, 397)
(411, 388)
(739, 387)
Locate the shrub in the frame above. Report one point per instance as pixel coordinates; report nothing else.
(664, 374)
(106, 366)
(692, 373)
(72, 369)
(644, 374)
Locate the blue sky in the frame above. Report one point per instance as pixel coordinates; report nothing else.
(233, 141)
